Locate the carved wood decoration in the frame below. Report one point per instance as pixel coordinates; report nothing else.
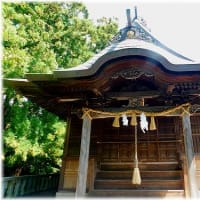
(131, 74)
(134, 31)
(195, 108)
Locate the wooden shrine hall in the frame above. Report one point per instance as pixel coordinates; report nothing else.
(133, 118)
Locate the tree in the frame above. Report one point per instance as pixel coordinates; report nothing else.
(40, 37)
(29, 135)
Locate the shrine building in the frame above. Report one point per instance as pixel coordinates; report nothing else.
(133, 118)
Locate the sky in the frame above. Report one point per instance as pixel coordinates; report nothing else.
(175, 23)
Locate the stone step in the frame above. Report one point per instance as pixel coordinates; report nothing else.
(65, 193)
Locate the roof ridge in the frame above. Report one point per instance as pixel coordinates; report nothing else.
(137, 29)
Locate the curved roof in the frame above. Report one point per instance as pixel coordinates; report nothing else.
(129, 47)
(133, 40)
(132, 51)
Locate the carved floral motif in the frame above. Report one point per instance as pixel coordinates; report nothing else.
(195, 108)
(131, 74)
(133, 32)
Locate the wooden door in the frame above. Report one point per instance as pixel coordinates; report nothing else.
(163, 144)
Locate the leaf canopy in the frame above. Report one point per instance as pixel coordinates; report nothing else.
(38, 38)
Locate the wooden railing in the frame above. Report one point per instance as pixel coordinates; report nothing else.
(16, 186)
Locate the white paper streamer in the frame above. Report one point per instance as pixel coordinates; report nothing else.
(124, 120)
(143, 123)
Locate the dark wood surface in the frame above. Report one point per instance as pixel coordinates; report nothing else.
(160, 155)
(112, 85)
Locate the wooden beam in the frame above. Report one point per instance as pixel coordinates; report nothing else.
(127, 95)
(68, 100)
(190, 158)
(83, 159)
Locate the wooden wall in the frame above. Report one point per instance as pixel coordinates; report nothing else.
(195, 124)
(72, 157)
(71, 172)
(117, 144)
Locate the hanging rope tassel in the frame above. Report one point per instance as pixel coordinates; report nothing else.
(116, 122)
(136, 179)
(152, 124)
(133, 120)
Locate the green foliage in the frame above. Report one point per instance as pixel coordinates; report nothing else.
(33, 138)
(38, 38)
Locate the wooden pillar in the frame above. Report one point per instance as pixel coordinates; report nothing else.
(65, 150)
(83, 159)
(190, 159)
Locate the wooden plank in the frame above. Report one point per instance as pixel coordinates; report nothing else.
(92, 173)
(83, 159)
(127, 95)
(145, 174)
(190, 158)
(16, 186)
(173, 184)
(124, 166)
(134, 194)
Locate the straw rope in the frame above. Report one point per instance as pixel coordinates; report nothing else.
(89, 112)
